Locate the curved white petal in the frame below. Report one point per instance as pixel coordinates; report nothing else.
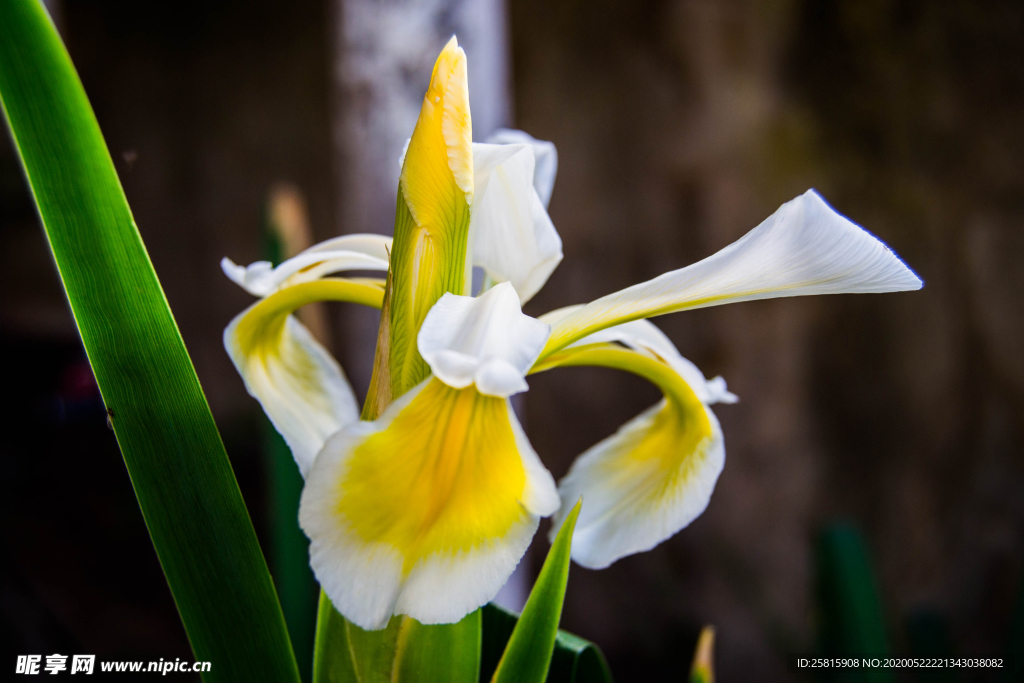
(641, 485)
(348, 252)
(645, 336)
(485, 340)
(426, 511)
(656, 474)
(803, 248)
(299, 384)
(513, 237)
(544, 153)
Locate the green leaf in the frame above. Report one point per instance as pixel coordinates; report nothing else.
(575, 660)
(850, 612)
(184, 483)
(439, 653)
(332, 655)
(289, 547)
(1014, 670)
(406, 651)
(529, 651)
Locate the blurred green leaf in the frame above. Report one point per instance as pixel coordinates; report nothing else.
(530, 647)
(850, 612)
(1014, 670)
(406, 651)
(184, 483)
(289, 547)
(928, 637)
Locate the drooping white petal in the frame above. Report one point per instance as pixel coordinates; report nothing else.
(544, 154)
(427, 510)
(803, 248)
(299, 384)
(513, 237)
(655, 475)
(486, 341)
(347, 252)
(642, 484)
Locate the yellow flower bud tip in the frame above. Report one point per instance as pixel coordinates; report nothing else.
(449, 86)
(443, 138)
(703, 669)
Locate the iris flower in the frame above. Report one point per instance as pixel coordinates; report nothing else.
(426, 505)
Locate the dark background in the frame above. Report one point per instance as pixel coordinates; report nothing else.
(680, 125)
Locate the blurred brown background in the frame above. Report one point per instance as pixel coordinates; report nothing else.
(680, 125)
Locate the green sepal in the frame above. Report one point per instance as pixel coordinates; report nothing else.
(418, 278)
(405, 651)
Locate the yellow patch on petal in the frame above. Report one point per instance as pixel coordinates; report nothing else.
(653, 476)
(428, 256)
(444, 477)
(299, 384)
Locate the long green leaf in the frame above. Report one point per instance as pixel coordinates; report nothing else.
(850, 612)
(528, 653)
(182, 478)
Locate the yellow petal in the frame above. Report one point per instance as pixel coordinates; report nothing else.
(299, 384)
(651, 478)
(433, 211)
(426, 511)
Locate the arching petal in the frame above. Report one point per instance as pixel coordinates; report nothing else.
(348, 252)
(653, 476)
(645, 337)
(803, 248)
(299, 384)
(426, 511)
(513, 237)
(486, 340)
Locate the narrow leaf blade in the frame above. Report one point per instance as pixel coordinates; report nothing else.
(184, 483)
(849, 606)
(529, 650)
(575, 659)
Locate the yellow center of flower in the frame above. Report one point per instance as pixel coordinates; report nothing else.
(443, 477)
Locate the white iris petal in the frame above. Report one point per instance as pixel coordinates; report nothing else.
(803, 248)
(544, 153)
(486, 341)
(348, 252)
(513, 237)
